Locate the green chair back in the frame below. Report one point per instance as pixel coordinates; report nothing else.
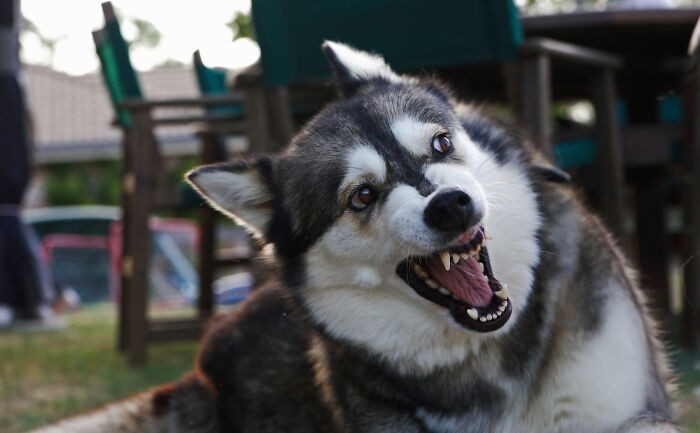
(212, 81)
(118, 73)
(409, 34)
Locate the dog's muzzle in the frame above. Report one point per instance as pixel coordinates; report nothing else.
(461, 280)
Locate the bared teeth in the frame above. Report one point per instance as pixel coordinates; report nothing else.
(445, 258)
(444, 291)
(473, 314)
(481, 266)
(455, 258)
(431, 283)
(464, 256)
(418, 269)
(502, 294)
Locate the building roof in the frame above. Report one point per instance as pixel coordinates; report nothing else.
(73, 115)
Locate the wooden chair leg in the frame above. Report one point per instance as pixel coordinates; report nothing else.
(535, 98)
(207, 234)
(609, 150)
(256, 118)
(279, 115)
(138, 236)
(691, 305)
(127, 191)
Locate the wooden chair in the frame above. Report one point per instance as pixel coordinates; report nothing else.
(691, 306)
(145, 188)
(447, 35)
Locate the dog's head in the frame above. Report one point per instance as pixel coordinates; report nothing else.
(406, 221)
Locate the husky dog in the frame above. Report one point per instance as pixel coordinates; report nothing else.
(435, 275)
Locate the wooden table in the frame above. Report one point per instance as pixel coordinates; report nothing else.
(653, 44)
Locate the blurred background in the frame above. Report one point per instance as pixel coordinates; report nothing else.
(78, 351)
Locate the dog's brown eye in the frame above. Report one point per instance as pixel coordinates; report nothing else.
(363, 197)
(442, 144)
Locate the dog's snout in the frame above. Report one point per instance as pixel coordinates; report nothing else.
(451, 211)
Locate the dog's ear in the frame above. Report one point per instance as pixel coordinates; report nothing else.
(550, 174)
(243, 190)
(352, 67)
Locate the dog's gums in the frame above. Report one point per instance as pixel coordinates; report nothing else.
(461, 280)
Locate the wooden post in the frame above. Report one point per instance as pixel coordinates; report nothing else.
(609, 150)
(207, 234)
(279, 115)
(536, 91)
(126, 193)
(135, 265)
(256, 119)
(691, 305)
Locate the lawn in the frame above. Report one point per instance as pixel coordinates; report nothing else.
(50, 375)
(45, 376)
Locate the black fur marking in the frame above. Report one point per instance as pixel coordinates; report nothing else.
(502, 142)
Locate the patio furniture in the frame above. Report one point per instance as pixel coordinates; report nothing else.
(145, 188)
(449, 36)
(653, 44)
(691, 311)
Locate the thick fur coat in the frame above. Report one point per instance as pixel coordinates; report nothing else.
(536, 323)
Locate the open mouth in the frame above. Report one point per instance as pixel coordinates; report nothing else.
(460, 279)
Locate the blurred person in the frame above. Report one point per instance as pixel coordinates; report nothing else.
(24, 286)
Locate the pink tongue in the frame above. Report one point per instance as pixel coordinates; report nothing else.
(464, 279)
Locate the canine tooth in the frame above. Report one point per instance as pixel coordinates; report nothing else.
(473, 314)
(455, 258)
(418, 269)
(431, 283)
(444, 291)
(502, 294)
(445, 258)
(482, 319)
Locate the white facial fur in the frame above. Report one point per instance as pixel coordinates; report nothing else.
(414, 135)
(355, 292)
(364, 162)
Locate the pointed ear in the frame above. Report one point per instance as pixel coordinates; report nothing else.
(240, 189)
(550, 174)
(352, 67)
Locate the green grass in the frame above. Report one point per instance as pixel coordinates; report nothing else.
(46, 376)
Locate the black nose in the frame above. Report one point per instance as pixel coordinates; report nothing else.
(451, 211)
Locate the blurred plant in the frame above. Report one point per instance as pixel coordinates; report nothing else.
(72, 184)
(242, 26)
(146, 34)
